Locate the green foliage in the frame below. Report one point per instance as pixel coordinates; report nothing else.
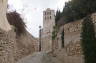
(88, 40)
(54, 33)
(58, 16)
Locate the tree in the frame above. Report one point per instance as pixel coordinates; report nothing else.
(54, 33)
(78, 9)
(88, 40)
(58, 16)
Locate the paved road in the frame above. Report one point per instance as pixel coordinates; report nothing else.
(39, 57)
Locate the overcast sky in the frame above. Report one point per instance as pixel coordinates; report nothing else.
(32, 10)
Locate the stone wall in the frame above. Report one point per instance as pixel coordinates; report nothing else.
(25, 45)
(13, 49)
(7, 46)
(12, 46)
(7, 36)
(72, 52)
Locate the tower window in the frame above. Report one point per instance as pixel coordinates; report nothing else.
(45, 13)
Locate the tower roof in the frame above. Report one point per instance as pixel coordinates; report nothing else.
(48, 9)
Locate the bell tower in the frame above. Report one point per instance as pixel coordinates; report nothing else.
(48, 23)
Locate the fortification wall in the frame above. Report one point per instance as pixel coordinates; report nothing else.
(7, 46)
(24, 46)
(7, 36)
(10, 51)
(72, 52)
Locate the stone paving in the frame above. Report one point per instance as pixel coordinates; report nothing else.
(39, 57)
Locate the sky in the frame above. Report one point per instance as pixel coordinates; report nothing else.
(32, 11)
